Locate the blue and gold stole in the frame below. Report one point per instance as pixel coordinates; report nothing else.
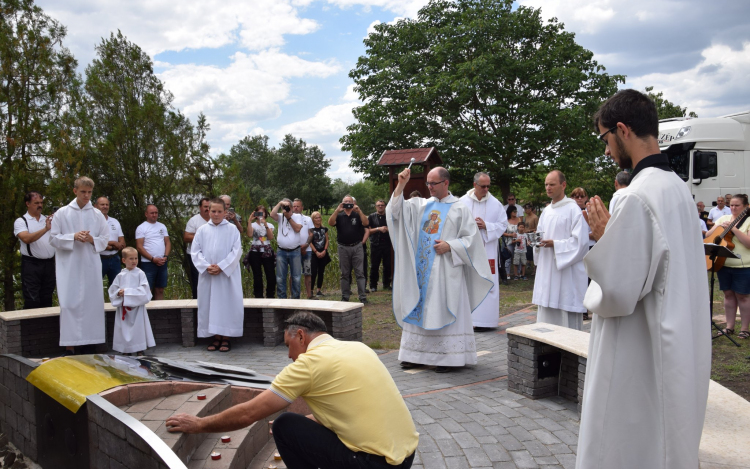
(433, 220)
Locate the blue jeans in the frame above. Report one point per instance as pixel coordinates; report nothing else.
(288, 261)
(111, 266)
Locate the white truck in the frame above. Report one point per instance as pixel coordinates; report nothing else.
(712, 155)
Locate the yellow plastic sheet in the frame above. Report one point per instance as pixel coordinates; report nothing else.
(68, 380)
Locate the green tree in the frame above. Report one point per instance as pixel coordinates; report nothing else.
(665, 108)
(495, 89)
(135, 145)
(253, 170)
(37, 78)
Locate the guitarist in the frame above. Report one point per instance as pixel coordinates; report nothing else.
(734, 278)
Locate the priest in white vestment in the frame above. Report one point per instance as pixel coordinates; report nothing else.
(79, 233)
(492, 221)
(441, 274)
(129, 293)
(560, 282)
(649, 358)
(216, 253)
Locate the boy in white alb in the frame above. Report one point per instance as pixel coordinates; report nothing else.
(129, 293)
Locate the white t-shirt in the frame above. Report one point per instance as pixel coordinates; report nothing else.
(195, 222)
(703, 226)
(715, 213)
(286, 237)
(115, 231)
(153, 238)
(41, 248)
(304, 233)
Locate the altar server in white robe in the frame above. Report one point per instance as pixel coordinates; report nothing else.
(649, 357)
(560, 281)
(492, 221)
(216, 253)
(441, 274)
(129, 293)
(79, 233)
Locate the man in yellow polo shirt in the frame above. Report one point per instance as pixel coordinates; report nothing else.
(359, 418)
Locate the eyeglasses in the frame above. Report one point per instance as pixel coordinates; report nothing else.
(484, 187)
(433, 184)
(579, 196)
(601, 137)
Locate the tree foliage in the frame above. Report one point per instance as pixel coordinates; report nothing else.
(136, 146)
(37, 76)
(495, 89)
(254, 171)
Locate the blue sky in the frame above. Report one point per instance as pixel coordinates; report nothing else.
(281, 66)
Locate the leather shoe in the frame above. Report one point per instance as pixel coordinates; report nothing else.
(408, 365)
(443, 369)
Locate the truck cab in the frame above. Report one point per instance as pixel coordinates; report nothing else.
(712, 155)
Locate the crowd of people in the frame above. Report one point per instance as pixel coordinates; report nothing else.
(650, 344)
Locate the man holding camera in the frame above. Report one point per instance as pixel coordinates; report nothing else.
(350, 225)
(305, 236)
(232, 217)
(288, 257)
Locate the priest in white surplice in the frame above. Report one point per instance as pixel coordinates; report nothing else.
(79, 233)
(560, 281)
(129, 293)
(216, 253)
(492, 221)
(441, 274)
(649, 357)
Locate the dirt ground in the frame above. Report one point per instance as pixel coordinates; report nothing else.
(730, 364)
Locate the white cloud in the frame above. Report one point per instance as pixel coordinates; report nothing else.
(715, 86)
(329, 121)
(251, 89)
(166, 25)
(408, 8)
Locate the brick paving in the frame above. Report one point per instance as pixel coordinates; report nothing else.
(466, 418)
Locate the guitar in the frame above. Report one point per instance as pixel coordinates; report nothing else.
(724, 239)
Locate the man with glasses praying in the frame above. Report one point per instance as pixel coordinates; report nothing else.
(442, 274)
(492, 221)
(649, 357)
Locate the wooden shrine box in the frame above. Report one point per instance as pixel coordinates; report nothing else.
(398, 160)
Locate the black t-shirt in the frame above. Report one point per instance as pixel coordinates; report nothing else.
(377, 238)
(349, 229)
(319, 238)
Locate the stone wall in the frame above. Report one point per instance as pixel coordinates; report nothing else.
(526, 357)
(17, 404)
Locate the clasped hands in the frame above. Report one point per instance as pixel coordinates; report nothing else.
(597, 216)
(84, 237)
(213, 269)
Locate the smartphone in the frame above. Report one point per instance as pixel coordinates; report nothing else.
(259, 215)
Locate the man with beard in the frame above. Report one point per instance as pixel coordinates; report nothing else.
(649, 357)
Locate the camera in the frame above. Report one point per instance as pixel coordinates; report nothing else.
(259, 214)
(348, 205)
(230, 209)
(286, 207)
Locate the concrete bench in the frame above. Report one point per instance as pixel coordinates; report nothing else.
(36, 332)
(547, 360)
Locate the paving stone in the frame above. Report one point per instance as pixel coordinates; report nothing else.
(477, 457)
(510, 443)
(456, 462)
(449, 447)
(451, 425)
(520, 433)
(433, 461)
(475, 429)
(496, 453)
(536, 449)
(566, 437)
(523, 460)
(546, 461)
(568, 461)
(486, 439)
(466, 440)
(545, 437)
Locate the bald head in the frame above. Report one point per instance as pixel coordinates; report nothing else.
(437, 182)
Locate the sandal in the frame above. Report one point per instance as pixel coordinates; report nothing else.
(225, 346)
(726, 331)
(214, 346)
(743, 335)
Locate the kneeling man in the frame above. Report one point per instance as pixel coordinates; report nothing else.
(359, 418)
